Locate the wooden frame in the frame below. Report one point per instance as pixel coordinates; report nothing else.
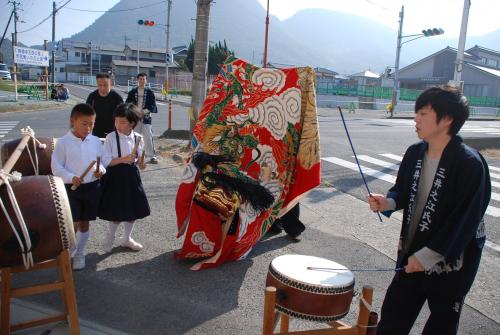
(64, 284)
(365, 325)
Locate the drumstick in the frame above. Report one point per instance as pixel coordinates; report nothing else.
(356, 157)
(355, 270)
(74, 187)
(136, 146)
(143, 156)
(98, 164)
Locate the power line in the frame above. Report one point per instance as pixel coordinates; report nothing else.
(116, 10)
(48, 17)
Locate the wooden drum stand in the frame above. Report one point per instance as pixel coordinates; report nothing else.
(366, 320)
(64, 282)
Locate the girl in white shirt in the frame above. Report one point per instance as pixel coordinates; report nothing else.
(72, 154)
(123, 198)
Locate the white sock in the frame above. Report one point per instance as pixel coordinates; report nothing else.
(113, 227)
(82, 239)
(129, 226)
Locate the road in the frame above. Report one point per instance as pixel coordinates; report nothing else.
(146, 292)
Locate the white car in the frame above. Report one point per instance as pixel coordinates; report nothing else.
(4, 72)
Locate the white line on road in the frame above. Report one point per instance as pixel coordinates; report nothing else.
(379, 162)
(366, 170)
(493, 211)
(492, 245)
(392, 156)
(495, 196)
(492, 168)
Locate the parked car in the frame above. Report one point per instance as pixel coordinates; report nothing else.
(4, 72)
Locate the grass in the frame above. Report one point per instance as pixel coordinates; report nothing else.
(6, 85)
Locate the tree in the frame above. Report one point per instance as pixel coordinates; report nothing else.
(217, 54)
(190, 56)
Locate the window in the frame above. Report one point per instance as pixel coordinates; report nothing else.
(492, 62)
(77, 54)
(483, 60)
(61, 69)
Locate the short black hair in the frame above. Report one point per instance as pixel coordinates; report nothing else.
(446, 100)
(102, 75)
(142, 74)
(82, 109)
(129, 111)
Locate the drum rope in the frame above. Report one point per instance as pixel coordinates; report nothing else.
(26, 254)
(31, 133)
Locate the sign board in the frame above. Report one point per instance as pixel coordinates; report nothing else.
(31, 56)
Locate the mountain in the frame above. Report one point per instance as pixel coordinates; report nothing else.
(6, 51)
(343, 42)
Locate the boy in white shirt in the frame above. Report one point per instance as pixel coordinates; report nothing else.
(73, 153)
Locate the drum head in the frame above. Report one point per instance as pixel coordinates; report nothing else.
(295, 267)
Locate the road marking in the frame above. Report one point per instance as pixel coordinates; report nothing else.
(6, 127)
(491, 210)
(392, 156)
(492, 245)
(379, 162)
(494, 168)
(366, 170)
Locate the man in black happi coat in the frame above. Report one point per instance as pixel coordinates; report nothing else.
(444, 188)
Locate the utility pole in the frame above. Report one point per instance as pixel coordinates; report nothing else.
(14, 67)
(46, 74)
(395, 89)
(199, 88)
(166, 83)
(54, 11)
(461, 44)
(267, 35)
(14, 44)
(90, 49)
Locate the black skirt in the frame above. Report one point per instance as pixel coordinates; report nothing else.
(123, 197)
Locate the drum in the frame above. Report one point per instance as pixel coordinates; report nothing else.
(316, 295)
(24, 164)
(47, 214)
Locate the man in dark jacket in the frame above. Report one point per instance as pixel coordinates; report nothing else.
(444, 188)
(104, 100)
(144, 98)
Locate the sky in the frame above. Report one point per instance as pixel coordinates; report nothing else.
(419, 14)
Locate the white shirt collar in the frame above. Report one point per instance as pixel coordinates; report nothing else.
(75, 138)
(130, 136)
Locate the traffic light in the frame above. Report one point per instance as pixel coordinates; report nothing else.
(146, 23)
(170, 57)
(432, 32)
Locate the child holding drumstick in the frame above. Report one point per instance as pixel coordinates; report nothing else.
(123, 197)
(74, 161)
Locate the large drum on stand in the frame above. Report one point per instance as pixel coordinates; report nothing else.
(34, 156)
(311, 288)
(45, 208)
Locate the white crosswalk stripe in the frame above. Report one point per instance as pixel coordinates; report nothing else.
(6, 127)
(490, 129)
(390, 178)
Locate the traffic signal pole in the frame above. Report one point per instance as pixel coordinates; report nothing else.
(167, 53)
(53, 70)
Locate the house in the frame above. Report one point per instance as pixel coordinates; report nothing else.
(365, 78)
(480, 72)
(324, 74)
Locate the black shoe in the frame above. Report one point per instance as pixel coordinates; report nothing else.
(276, 228)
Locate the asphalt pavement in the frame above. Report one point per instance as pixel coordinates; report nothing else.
(149, 292)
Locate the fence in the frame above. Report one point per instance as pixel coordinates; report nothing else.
(378, 92)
